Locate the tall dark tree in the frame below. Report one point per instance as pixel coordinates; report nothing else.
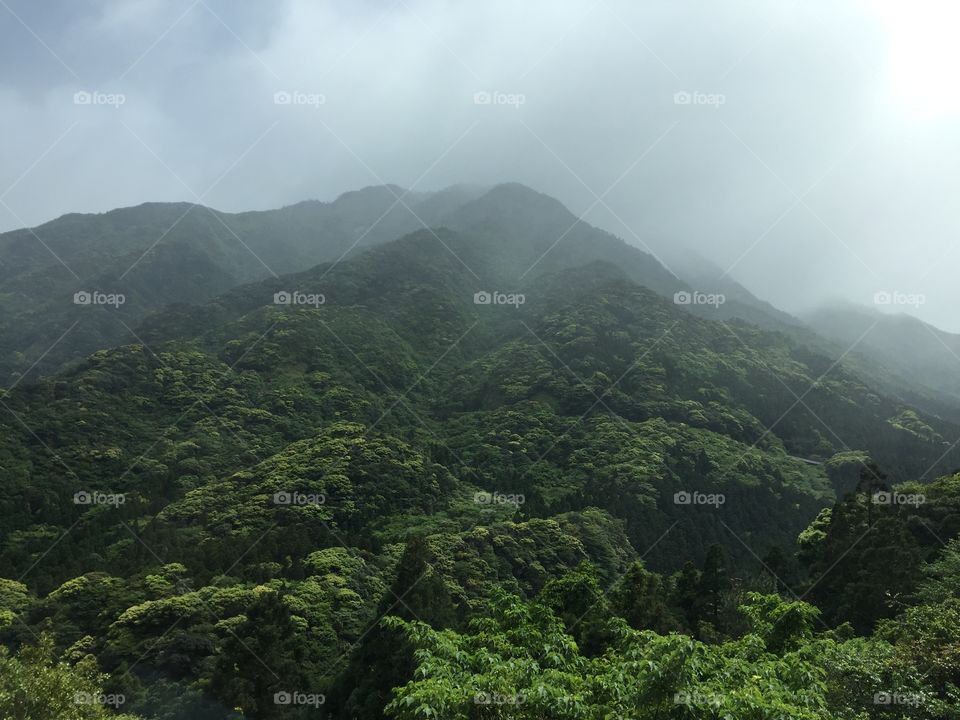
(264, 656)
(579, 601)
(780, 569)
(384, 659)
(865, 561)
(642, 599)
(713, 586)
(686, 594)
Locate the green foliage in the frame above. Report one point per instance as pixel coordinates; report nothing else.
(643, 599)
(36, 686)
(783, 626)
(865, 555)
(518, 662)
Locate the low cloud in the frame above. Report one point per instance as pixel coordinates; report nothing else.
(774, 138)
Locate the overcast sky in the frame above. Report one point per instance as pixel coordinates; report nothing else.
(809, 148)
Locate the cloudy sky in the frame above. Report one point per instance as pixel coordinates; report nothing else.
(807, 148)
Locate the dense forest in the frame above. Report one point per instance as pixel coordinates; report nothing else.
(419, 480)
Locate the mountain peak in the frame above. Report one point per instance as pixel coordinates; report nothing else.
(388, 190)
(515, 210)
(519, 194)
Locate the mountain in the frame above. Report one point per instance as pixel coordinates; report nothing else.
(530, 234)
(152, 255)
(919, 361)
(594, 392)
(138, 261)
(482, 432)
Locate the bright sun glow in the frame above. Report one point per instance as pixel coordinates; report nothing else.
(924, 62)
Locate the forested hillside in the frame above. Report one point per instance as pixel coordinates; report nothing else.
(470, 472)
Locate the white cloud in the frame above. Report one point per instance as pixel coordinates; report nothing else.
(811, 105)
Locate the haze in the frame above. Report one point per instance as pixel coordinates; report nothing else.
(807, 148)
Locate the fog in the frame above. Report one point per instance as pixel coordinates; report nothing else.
(809, 149)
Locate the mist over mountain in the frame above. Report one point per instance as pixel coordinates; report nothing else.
(915, 351)
(667, 124)
(159, 253)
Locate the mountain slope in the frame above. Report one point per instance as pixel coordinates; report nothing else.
(706, 277)
(157, 254)
(919, 360)
(589, 360)
(530, 233)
